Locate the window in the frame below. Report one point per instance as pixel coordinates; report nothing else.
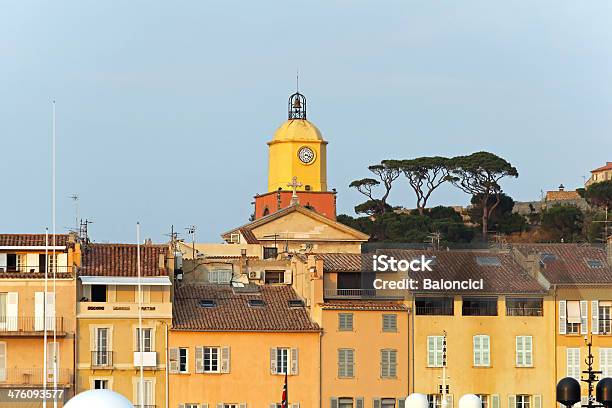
(98, 293)
(488, 261)
(230, 405)
(595, 263)
(192, 405)
(477, 306)
(346, 363)
(270, 252)
(387, 403)
(220, 276)
(524, 307)
(605, 362)
(573, 316)
(524, 351)
(484, 398)
(604, 318)
(345, 403)
(282, 356)
(183, 360)
(100, 384)
(388, 363)
(211, 359)
(147, 339)
(101, 355)
(435, 345)
(345, 321)
(434, 306)
(482, 350)
(434, 400)
(3, 304)
(274, 277)
(523, 401)
(146, 387)
(389, 322)
(573, 363)
(206, 303)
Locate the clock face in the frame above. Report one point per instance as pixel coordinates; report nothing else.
(306, 155)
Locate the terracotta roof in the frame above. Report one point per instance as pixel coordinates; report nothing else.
(231, 310)
(608, 166)
(33, 275)
(121, 260)
(562, 195)
(343, 262)
(367, 305)
(32, 240)
(248, 235)
(567, 264)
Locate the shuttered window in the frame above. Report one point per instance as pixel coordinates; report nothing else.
(346, 363)
(389, 322)
(388, 363)
(524, 351)
(482, 350)
(573, 363)
(605, 362)
(435, 346)
(345, 321)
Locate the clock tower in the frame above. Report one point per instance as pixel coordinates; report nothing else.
(297, 150)
(297, 166)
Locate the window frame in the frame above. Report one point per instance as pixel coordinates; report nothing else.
(180, 360)
(210, 357)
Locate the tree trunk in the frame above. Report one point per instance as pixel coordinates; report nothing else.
(421, 210)
(485, 222)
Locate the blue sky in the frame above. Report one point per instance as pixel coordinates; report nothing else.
(164, 108)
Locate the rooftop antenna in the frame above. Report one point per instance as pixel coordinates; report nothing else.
(191, 231)
(297, 79)
(75, 198)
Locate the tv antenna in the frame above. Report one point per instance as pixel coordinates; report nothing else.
(191, 231)
(75, 199)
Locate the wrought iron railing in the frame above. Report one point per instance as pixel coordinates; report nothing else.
(479, 311)
(350, 293)
(101, 359)
(34, 269)
(33, 376)
(434, 311)
(28, 325)
(524, 311)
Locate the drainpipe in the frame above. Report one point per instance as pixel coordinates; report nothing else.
(167, 385)
(320, 369)
(411, 343)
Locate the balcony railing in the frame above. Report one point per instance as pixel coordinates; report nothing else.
(136, 405)
(524, 311)
(29, 326)
(24, 377)
(101, 359)
(479, 311)
(434, 311)
(350, 293)
(34, 269)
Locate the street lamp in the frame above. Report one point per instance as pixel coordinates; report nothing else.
(568, 389)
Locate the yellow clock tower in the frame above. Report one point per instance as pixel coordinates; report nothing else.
(298, 151)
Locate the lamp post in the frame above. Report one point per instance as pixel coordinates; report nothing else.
(568, 389)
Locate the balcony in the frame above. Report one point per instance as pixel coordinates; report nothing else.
(149, 359)
(349, 293)
(27, 326)
(102, 359)
(33, 377)
(524, 311)
(17, 269)
(434, 311)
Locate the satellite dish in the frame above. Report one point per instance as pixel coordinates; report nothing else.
(470, 401)
(417, 400)
(99, 399)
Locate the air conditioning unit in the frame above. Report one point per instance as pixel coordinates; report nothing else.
(255, 275)
(149, 358)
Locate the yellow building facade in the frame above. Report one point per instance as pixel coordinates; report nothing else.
(109, 352)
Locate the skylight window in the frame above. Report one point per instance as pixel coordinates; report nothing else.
(594, 263)
(256, 303)
(488, 261)
(547, 257)
(207, 303)
(296, 303)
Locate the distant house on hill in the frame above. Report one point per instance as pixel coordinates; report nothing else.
(563, 197)
(600, 174)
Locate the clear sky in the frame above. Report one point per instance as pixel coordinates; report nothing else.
(164, 108)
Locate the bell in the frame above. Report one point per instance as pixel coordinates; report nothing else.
(296, 103)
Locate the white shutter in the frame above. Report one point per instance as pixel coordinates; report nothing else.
(562, 317)
(495, 401)
(333, 402)
(486, 350)
(288, 276)
(584, 317)
(573, 362)
(199, 359)
(605, 361)
(2, 361)
(537, 401)
(511, 401)
(595, 316)
(359, 402)
(173, 355)
(295, 405)
(430, 351)
(520, 351)
(449, 400)
(294, 361)
(225, 360)
(2, 262)
(62, 263)
(477, 351)
(39, 306)
(204, 405)
(12, 311)
(52, 353)
(273, 368)
(376, 403)
(32, 263)
(242, 405)
(219, 405)
(528, 347)
(50, 311)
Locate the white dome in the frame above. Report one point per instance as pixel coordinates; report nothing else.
(470, 401)
(98, 399)
(417, 400)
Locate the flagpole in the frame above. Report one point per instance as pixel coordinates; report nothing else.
(140, 334)
(53, 239)
(45, 318)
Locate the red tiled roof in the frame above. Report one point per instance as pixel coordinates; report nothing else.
(33, 275)
(367, 305)
(566, 264)
(608, 166)
(343, 262)
(232, 312)
(248, 235)
(121, 260)
(32, 240)
(562, 195)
